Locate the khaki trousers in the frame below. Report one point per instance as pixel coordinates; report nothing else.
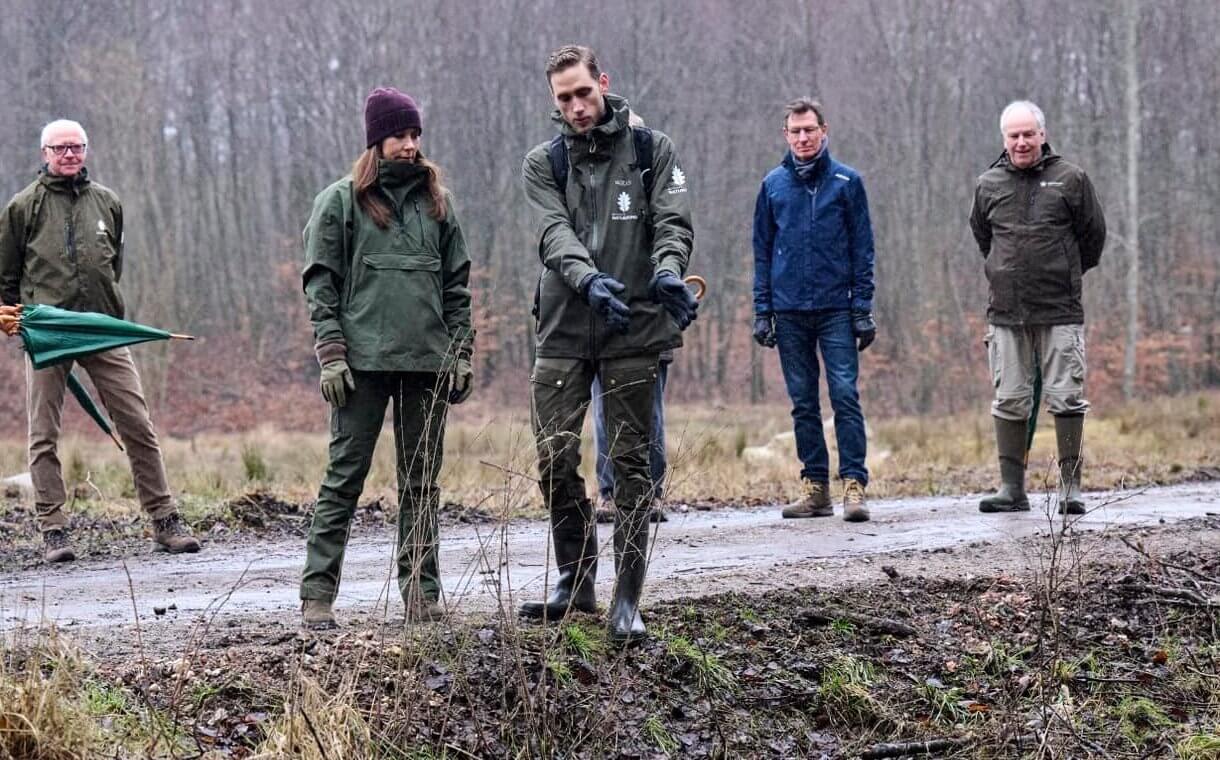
(1017, 353)
(118, 385)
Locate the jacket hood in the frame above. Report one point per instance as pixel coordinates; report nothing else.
(1049, 156)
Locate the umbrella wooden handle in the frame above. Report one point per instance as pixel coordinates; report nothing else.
(698, 283)
(179, 336)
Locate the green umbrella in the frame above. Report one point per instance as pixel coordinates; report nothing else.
(53, 335)
(86, 402)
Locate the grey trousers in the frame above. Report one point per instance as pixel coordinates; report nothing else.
(114, 375)
(1017, 353)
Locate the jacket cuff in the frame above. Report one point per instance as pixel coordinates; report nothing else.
(861, 305)
(330, 351)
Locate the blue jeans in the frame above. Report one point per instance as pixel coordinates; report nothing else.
(800, 335)
(656, 446)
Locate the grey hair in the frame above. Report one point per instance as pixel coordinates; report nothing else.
(61, 124)
(1023, 105)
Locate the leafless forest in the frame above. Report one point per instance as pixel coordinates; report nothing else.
(217, 122)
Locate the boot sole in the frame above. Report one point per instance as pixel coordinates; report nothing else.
(543, 612)
(163, 548)
(628, 640)
(998, 508)
(67, 556)
(856, 516)
(829, 512)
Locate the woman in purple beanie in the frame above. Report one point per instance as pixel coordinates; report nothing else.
(387, 284)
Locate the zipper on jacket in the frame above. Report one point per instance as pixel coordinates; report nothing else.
(593, 251)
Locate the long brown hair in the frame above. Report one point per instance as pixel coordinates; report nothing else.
(364, 177)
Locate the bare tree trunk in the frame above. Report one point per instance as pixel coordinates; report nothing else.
(1131, 16)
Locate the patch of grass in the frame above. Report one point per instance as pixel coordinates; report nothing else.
(845, 692)
(318, 724)
(1139, 719)
(945, 705)
(583, 643)
(254, 464)
(1199, 747)
(710, 672)
(560, 670)
(655, 730)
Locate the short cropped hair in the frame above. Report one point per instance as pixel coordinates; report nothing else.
(1023, 105)
(60, 124)
(572, 55)
(804, 105)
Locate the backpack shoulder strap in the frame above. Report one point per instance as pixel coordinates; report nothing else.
(557, 152)
(642, 137)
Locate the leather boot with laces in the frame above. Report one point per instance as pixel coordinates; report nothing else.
(170, 534)
(56, 546)
(815, 504)
(318, 615)
(854, 509)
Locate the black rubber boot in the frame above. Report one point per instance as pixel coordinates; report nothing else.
(1010, 443)
(631, 566)
(1069, 433)
(575, 536)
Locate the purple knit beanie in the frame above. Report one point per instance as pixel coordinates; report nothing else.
(388, 112)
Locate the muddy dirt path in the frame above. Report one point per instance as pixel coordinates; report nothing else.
(484, 566)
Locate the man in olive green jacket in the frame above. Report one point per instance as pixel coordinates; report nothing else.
(1040, 227)
(614, 241)
(61, 244)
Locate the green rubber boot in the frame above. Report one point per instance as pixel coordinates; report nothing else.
(1010, 440)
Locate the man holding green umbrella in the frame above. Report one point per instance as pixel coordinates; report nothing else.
(61, 244)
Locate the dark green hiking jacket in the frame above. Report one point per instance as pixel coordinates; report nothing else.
(602, 222)
(392, 300)
(1039, 229)
(61, 244)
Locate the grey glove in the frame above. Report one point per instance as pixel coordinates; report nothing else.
(337, 381)
(463, 381)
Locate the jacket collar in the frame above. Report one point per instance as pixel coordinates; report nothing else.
(601, 137)
(819, 164)
(1049, 156)
(62, 184)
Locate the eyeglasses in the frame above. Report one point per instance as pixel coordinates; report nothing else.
(63, 150)
(798, 131)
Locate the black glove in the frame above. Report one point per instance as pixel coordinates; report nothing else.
(764, 331)
(864, 328)
(669, 291)
(600, 291)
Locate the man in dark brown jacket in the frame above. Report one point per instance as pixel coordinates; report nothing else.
(61, 244)
(1040, 227)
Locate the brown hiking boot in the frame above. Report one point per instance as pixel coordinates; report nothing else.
(815, 504)
(425, 611)
(170, 534)
(57, 548)
(853, 501)
(317, 615)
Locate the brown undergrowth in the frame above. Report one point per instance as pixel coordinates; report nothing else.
(1117, 658)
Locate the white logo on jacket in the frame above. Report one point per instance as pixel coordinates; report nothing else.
(101, 229)
(623, 201)
(677, 181)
